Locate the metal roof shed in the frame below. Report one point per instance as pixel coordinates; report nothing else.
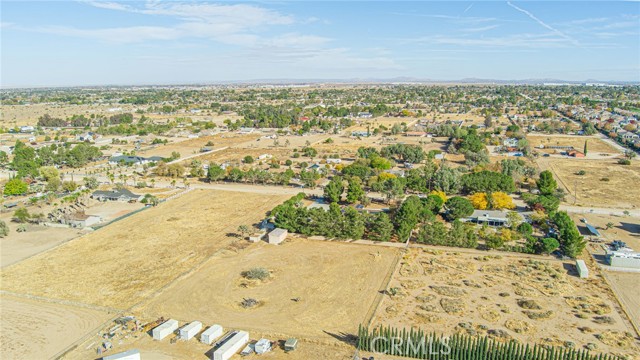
(133, 354)
(231, 346)
(583, 272)
(277, 236)
(592, 229)
(191, 330)
(165, 329)
(212, 333)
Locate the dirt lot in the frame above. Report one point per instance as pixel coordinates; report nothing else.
(37, 330)
(123, 263)
(19, 246)
(525, 299)
(594, 144)
(335, 283)
(592, 190)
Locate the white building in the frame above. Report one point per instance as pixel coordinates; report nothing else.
(231, 346)
(212, 333)
(277, 236)
(133, 354)
(583, 272)
(262, 346)
(165, 329)
(191, 330)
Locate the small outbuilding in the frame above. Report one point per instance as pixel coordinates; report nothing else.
(165, 329)
(583, 272)
(277, 236)
(191, 330)
(262, 346)
(133, 354)
(212, 333)
(231, 346)
(291, 344)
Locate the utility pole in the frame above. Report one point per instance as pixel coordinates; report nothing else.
(575, 192)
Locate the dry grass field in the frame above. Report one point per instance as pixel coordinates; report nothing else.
(334, 283)
(617, 192)
(37, 330)
(18, 246)
(529, 300)
(594, 144)
(121, 264)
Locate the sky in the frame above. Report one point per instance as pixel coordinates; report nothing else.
(80, 43)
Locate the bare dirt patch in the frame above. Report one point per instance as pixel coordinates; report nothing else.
(121, 264)
(530, 300)
(604, 184)
(38, 330)
(315, 288)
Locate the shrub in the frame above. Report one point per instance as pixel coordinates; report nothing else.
(581, 173)
(624, 162)
(604, 179)
(257, 273)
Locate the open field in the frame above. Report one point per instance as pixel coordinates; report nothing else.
(626, 286)
(617, 192)
(120, 265)
(188, 147)
(541, 301)
(32, 329)
(18, 246)
(334, 282)
(594, 143)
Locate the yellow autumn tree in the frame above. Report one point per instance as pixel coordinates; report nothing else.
(479, 200)
(441, 194)
(500, 200)
(385, 176)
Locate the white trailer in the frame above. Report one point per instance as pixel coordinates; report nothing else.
(191, 330)
(165, 329)
(231, 346)
(583, 272)
(212, 333)
(133, 354)
(277, 236)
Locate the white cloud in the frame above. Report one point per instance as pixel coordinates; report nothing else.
(543, 24)
(480, 29)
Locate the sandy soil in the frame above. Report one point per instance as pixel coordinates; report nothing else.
(626, 286)
(528, 300)
(32, 329)
(121, 264)
(335, 284)
(594, 144)
(18, 246)
(592, 191)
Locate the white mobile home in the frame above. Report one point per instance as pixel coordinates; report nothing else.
(165, 329)
(212, 333)
(231, 346)
(277, 236)
(191, 330)
(133, 354)
(583, 272)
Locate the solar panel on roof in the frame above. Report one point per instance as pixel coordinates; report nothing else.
(593, 230)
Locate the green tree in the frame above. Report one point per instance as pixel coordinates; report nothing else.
(458, 207)
(49, 172)
(585, 147)
(354, 191)
(215, 173)
(571, 242)
(548, 245)
(248, 159)
(525, 228)
(354, 225)
(15, 187)
(380, 227)
(494, 242)
(334, 189)
(53, 184)
(90, 182)
(546, 183)
(21, 215)
(69, 186)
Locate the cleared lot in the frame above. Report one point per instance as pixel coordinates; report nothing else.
(594, 144)
(121, 264)
(38, 330)
(528, 300)
(316, 289)
(604, 184)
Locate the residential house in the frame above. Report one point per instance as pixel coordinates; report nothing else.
(489, 217)
(115, 195)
